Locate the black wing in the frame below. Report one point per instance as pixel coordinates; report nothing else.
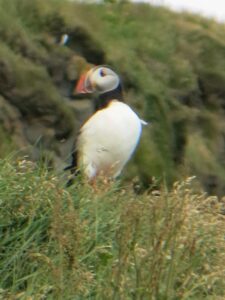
(73, 168)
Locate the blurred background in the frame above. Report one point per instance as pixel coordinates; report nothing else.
(173, 70)
(208, 8)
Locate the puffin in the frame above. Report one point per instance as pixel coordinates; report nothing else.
(107, 140)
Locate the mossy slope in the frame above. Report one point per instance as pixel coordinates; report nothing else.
(172, 67)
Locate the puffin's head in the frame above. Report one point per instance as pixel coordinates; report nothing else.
(100, 79)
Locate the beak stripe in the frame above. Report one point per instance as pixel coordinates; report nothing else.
(80, 87)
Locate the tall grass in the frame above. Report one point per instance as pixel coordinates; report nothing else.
(108, 243)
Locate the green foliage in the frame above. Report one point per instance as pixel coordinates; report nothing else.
(109, 242)
(81, 244)
(7, 145)
(172, 66)
(173, 71)
(24, 73)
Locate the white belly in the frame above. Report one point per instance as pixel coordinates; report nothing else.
(108, 139)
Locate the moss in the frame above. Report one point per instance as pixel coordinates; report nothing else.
(7, 145)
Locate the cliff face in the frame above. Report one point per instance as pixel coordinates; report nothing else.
(173, 70)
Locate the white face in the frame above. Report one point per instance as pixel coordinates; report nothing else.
(101, 79)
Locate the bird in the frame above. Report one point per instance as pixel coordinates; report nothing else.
(63, 40)
(108, 139)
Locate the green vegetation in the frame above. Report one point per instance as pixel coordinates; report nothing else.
(167, 242)
(172, 66)
(173, 69)
(111, 243)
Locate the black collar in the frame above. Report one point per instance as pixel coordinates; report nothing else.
(104, 99)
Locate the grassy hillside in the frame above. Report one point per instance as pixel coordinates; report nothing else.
(111, 243)
(173, 70)
(172, 66)
(166, 239)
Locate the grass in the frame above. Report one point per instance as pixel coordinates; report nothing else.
(76, 243)
(80, 244)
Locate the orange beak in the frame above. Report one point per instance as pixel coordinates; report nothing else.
(81, 85)
(84, 85)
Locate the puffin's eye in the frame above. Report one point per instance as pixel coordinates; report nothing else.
(102, 72)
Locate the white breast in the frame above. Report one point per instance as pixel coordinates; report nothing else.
(108, 139)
